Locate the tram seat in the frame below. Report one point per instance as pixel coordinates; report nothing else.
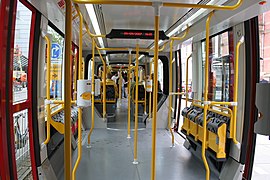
(216, 128)
(194, 113)
(141, 93)
(186, 110)
(58, 120)
(111, 91)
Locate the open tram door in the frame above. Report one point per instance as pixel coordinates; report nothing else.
(18, 22)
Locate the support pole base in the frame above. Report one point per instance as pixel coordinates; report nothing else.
(172, 146)
(88, 146)
(128, 137)
(135, 162)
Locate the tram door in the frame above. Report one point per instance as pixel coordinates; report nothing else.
(5, 10)
(21, 135)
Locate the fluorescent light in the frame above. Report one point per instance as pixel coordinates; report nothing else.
(93, 17)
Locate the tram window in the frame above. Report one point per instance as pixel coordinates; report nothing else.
(221, 67)
(186, 50)
(261, 153)
(264, 47)
(22, 145)
(21, 53)
(74, 75)
(160, 75)
(56, 64)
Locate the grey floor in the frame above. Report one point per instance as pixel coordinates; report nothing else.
(121, 117)
(111, 156)
(261, 167)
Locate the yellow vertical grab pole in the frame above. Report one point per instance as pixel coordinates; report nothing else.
(48, 109)
(235, 92)
(75, 77)
(93, 93)
(136, 105)
(187, 78)
(104, 84)
(170, 90)
(129, 94)
(120, 85)
(67, 92)
(150, 93)
(145, 72)
(79, 108)
(156, 6)
(206, 96)
(104, 90)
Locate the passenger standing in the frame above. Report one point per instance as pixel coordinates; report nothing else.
(115, 77)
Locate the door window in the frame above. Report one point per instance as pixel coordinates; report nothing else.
(56, 64)
(21, 82)
(21, 53)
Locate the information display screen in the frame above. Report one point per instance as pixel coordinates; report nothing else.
(135, 34)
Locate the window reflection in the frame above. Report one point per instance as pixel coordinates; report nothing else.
(221, 67)
(21, 53)
(56, 64)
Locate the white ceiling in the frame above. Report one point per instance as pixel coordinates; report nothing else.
(139, 17)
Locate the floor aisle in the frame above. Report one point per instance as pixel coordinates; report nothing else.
(111, 155)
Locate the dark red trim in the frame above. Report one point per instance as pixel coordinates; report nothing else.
(10, 90)
(30, 81)
(28, 103)
(4, 29)
(253, 65)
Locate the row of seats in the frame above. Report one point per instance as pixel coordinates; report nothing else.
(217, 127)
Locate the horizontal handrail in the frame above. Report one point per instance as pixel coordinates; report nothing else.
(165, 4)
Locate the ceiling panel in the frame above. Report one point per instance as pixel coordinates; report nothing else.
(139, 17)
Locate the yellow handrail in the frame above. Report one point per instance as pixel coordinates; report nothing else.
(79, 109)
(67, 91)
(230, 113)
(136, 106)
(145, 89)
(206, 96)
(57, 111)
(129, 94)
(154, 120)
(171, 78)
(48, 109)
(93, 93)
(165, 4)
(150, 93)
(104, 84)
(120, 85)
(170, 90)
(75, 78)
(60, 102)
(187, 78)
(181, 37)
(235, 95)
(176, 93)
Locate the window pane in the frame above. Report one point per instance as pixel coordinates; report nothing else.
(21, 53)
(56, 64)
(22, 146)
(264, 27)
(160, 75)
(221, 67)
(186, 50)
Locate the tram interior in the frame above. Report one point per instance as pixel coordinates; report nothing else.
(191, 87)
